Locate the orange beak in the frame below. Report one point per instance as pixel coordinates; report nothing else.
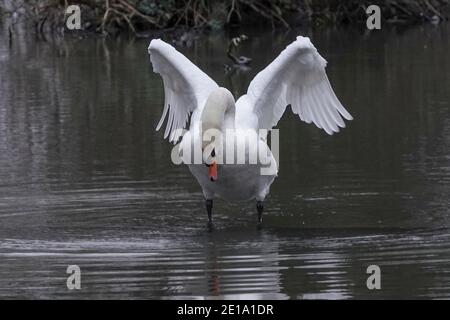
(212, 171)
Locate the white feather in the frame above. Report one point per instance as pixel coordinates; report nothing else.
(186, 87)
(296, 77)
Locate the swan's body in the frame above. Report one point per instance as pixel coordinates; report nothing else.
(296, 77)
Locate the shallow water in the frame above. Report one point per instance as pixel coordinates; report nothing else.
(85, 179)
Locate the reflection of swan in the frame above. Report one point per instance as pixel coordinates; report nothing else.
(296, 77)
(214, 269)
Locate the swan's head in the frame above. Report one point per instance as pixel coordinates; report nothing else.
(217, 116)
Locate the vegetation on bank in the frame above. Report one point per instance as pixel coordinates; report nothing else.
(113, 16)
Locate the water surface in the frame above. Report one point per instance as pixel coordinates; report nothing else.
(85, 179)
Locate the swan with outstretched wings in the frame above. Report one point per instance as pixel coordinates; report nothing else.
(225, 143)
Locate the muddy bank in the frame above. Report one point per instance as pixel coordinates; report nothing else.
(144, 17)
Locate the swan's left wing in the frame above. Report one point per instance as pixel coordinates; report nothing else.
(186, 87)
(296, 77)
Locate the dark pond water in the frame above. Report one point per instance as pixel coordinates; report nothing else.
(85, 179)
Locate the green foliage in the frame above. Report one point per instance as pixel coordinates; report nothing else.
(156, 8)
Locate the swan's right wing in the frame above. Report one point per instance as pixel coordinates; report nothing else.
(186, 87)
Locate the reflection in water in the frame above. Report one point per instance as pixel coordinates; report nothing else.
(85, 180)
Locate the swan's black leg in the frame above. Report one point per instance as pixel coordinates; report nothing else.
(209, 205)
(260, 209)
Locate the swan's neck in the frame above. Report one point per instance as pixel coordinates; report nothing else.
(219, 111)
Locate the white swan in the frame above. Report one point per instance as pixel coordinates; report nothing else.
(296, 77)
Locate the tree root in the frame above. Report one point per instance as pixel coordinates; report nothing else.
(137, 15)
